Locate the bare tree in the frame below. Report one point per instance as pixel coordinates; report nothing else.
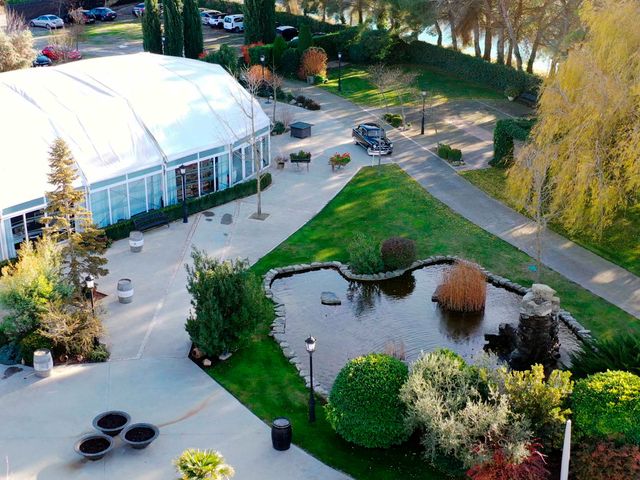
(275, 82)
(384, 78)
(77, 25)
(401, 82)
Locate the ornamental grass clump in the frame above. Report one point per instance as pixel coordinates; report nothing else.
(364, 406)
(364, 255)
(463, 288)
(195, 464)
(621, 352)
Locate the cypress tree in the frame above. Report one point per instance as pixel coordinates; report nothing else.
(279, 46)
(305, 40)
(259, 21)
(151, 30)
(193, 43)
(173, 28)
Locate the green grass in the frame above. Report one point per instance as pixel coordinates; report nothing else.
(357, 88)
(619, 243)
(381, 202)
(111, 31)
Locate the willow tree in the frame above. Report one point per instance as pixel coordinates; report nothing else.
(584, 147)
(151, 29)
(173, 28)
(193, 43)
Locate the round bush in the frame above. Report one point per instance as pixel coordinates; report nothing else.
(607, 406)
(364, 406)
(398, 253)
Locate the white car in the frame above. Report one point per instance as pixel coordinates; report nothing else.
(217, 20)
(47, 21)
(234, 23)
(207, 14)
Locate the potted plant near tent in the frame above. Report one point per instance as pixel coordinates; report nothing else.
(339, 160)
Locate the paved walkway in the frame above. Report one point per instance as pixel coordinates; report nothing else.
(412, 153)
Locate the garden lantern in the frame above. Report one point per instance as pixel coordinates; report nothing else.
(89, 283)
(339, 71)
(310, 345)
(424, 97)
(183, 173)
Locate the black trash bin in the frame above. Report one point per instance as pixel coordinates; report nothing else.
(281, 433)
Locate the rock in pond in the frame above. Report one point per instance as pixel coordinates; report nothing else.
(329, 298)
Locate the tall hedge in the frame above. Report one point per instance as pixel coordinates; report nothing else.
(151, 29)
(503, 135)
(173, 28)
(193, 42)
(259, 21)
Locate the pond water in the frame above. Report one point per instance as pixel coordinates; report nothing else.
(372, 314)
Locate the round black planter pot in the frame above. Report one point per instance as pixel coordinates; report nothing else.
(140, 435)
(112, 422)
(94, 446)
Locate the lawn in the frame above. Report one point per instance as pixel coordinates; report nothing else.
(619, 243)
(111, 31)
(381, 202)
(357, 88)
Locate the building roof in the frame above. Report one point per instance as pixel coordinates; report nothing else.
(118, 114)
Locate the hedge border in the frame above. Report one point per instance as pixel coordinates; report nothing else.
(506, 131)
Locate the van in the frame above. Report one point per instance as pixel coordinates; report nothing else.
(234, 23)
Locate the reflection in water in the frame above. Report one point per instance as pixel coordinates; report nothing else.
(375, 313)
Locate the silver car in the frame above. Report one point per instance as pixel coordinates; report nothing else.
(47, 21)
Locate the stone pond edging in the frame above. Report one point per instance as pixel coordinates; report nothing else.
(279, 324)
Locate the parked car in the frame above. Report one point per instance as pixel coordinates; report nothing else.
(87, 18)
(372, 137)
(42, 61)
(47, 21)
(287, 32)
(103, 14)
(234, 23)
(138, 10)
(205, 15)
(56, 53)
(217, 20)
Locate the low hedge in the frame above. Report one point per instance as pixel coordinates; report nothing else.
(284, 18)
(121, 230)
(473, 69)
(398, 253)
(503, 136)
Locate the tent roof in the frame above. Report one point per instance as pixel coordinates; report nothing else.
(118, 114)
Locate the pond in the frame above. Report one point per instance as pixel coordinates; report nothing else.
(372, 314)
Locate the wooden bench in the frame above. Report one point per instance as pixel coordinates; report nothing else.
(151, 219)
(528, 98)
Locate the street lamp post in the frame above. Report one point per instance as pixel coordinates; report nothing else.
(262, 59)
(183, 174)
(310, 345)
(339, 71)
(424, 97)
(89, 282)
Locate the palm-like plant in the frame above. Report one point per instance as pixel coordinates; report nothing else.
(196, 464)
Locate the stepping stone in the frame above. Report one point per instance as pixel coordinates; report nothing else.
(227, 219)
(329, 298)
(207, 213)
(10, 371)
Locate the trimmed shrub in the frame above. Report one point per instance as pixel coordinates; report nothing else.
(455, 155)
(393, 119)
(290, 62)
(255, 50)
(622, 352)
(463, 288)
(305, 40)
(337, 42)
(364, 406)
(444, 151)
(503, 135)
(278, 48)
(313, 62)
(364, 255)
(99, 354)
(398, 253)
(224, 56)
(606, 461)
(32, 342)
(278, 128)
(607, 406)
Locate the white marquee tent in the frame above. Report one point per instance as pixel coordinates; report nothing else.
(130, 121)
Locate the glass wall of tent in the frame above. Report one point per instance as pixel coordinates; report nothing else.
(17, 228)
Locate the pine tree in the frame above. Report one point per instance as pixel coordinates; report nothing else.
(67, 220)
(151, 29)
(193, 43)
(173, 28)
(259, 21)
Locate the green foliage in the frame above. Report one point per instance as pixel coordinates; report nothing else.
(226, 57)
(278, 49)
(503, 135)
(542, 401)
(227, 302)
(606, 461)
(333, 43)
(393, 119)
(290, 62)
(371, 46)
(607, 406)
(255, 51)
(444, 151)
(398, 253)
(278, 128)
(493, 75)
(195, 464)
(151, 29)
(173, 28)
(259, 21)
(364, 255)
(304, 39)
(621, 352)
(192, 24)
(99, 354)
(455, 155)
(364, 406)
(32, 342)
(122, 229)
(512, 91)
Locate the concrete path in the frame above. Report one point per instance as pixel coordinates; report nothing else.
(412, 153)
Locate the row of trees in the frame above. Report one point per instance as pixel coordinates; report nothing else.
(182, 28)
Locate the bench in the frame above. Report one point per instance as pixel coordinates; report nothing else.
(151, 219)
(528, 98)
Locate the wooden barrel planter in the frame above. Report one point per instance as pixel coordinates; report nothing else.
(281, 434)
(125, 290)
(112, 422)
(140, 435)
(94, 446)
(42, 362)
(136, 241)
